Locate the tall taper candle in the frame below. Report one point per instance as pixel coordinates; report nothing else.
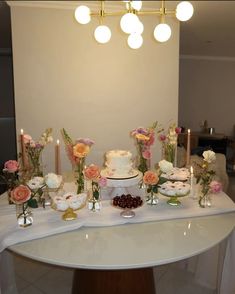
(188, 148)
(23, 152)
(57, 158)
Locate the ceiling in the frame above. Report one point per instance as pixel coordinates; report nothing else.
(210, 32)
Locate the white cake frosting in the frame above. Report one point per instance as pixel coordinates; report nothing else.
(119, 164)
(174, 189)
(177, 174)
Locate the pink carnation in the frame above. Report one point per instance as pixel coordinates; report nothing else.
(162, 138)
(146, 154)
(11, 166)
(102, 181)
(178, 130)
(85, 141)
(215, 187)
(151, 140)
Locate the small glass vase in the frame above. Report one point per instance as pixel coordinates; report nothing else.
(23, 215)
(151, 198)
(94, 203)
(205, 200)
(143, 163)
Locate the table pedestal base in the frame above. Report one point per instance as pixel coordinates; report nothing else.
(136, 281)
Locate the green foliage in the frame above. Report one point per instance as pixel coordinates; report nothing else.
(33, 203)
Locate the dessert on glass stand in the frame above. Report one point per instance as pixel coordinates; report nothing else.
(127, 203)
(174, 191)
(121, 177)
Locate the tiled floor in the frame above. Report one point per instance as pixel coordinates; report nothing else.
(39, 278)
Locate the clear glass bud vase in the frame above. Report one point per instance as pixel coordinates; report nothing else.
(205, 200)
(23, 215)
(94, 203)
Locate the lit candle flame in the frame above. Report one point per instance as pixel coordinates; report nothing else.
(189, 131)
(21, 131)
(191, 170)
(58, 142)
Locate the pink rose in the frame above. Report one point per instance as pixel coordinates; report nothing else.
(151, 140)
(11, 166)
(150, 178)
(20, 194)
(178, 130)
(162, 138)
(146, 154)
(215, 187)
(27, 138)
(92, 172)
(85, 141)
(102, 182)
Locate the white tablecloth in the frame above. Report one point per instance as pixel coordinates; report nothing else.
(48, 222)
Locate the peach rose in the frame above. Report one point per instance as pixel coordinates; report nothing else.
(92, 172)
(11, 166)
(80, 150)
(20, 194)
(150, 178)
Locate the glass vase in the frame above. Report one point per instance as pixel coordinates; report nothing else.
(9, 197)
(23, 215)
(170, 152)
(94, 203)
(80, 176)
(151, 198)
(205, 200)
(36, 166)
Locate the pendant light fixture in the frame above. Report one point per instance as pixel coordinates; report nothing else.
(130, 22)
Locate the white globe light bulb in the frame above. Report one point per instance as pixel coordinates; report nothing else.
(137, 4)
(82, 14)
(139, 28)
(162, 32)
(184, 11)
(102, 34)
(135, 41)
(128, 22)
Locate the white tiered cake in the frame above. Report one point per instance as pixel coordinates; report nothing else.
(119, 165)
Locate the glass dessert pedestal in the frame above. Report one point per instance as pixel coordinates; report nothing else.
(127, 203)
(120, 186)
(174, 201)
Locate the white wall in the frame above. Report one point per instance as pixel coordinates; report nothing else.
(207, 91)
(63, 78)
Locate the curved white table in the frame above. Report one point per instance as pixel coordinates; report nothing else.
(130, 246)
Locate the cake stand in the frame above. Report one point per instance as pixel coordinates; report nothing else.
(122, 186)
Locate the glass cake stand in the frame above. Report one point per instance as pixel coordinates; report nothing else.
(120, 186)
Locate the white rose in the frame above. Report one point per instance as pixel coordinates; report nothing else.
(209, 156)
(35, 183)
(53, 181)
(165, 166)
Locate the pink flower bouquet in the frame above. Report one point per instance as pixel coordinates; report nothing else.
(77, 152)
